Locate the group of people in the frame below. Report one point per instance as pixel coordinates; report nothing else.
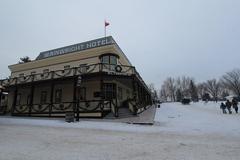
(228, 105)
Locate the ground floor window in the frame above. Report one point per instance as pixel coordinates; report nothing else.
(58, 96)
(120, 93)
(43, 98)
(109, 91)
(82, 93)
(28, 99)
(18, 99)
(128, 94)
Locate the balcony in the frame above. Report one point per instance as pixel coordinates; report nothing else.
(120, 70)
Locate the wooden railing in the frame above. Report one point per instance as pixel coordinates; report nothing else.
(93, 68)
(49, 109)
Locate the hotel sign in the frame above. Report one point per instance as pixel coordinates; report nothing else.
(77, 47)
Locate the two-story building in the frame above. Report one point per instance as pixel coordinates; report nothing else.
(91, 79)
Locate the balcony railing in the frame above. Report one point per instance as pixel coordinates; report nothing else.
(75, 71)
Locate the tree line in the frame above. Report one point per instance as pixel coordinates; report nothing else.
(175, 89)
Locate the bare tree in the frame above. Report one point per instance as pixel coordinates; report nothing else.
(171, 88)
(163, 94)
(153, 91)
(213, 88)
(182, 84)
(201, 89)
(231, 80)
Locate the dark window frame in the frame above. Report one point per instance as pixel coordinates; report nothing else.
(43, 97)
(109, 59)
(18, 99)
(120, 93)
(58, 95)
(80, 95)
(28, 99)
(109, 91)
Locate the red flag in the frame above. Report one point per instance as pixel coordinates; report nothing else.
(107, 23)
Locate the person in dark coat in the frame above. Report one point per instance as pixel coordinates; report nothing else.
(228, 105)
(235, 105)
(223, 108)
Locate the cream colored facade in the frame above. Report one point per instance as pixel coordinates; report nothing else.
(46, 77)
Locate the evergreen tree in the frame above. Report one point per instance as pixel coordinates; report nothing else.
(179, 95)
(193, 91)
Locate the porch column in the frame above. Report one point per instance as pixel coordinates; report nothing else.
(51, 94)
(14, 100)
(0, 97)
(101, 89)
(75, 102)
(116, 94)
(134, 95)
(31, 100)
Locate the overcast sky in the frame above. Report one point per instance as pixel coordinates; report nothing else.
(197, 38)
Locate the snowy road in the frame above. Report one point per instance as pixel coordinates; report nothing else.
(198, 132)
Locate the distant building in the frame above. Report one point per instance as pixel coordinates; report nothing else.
(91, 79)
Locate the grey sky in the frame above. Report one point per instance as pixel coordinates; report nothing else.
(198, 38)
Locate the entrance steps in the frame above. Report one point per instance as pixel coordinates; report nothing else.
(122, 113)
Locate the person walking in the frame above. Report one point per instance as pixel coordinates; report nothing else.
(228, 105)
(235, 105)
(223, 108)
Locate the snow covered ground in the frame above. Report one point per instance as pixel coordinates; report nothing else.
(198, 118)
(196, 131)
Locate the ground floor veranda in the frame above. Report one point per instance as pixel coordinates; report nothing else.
(90, 95)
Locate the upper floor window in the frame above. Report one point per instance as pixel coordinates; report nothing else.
(109, 59)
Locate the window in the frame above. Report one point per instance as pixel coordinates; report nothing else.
(120, 93)
(113, 60)
(18, 99)
(82, 93)
(105, 59)
(109, 91)
(58, 96)
(28, 99)
(128, 93)
(43, 98)
(109, 59)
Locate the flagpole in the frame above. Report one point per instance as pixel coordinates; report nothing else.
(105, 28)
